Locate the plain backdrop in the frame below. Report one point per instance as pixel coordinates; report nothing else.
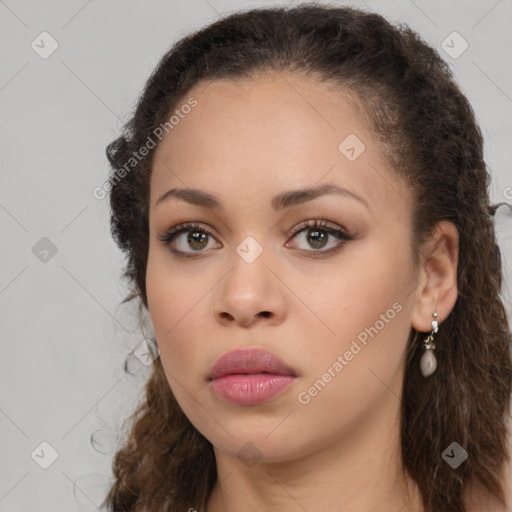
(64, 334)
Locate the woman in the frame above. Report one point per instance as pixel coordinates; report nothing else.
(302, 198)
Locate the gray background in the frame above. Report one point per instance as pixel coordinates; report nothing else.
(65, 335)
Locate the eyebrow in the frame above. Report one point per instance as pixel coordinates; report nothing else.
(281, 201)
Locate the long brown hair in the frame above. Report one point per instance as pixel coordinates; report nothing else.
(428, 133)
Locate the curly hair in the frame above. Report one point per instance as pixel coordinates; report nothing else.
(429, 135)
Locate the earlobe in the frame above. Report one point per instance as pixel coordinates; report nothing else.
(437, 277)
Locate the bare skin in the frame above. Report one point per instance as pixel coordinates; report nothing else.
(245, 143)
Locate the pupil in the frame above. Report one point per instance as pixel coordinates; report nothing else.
(317, 236)
(196, 236)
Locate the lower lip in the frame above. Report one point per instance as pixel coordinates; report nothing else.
(249, 389)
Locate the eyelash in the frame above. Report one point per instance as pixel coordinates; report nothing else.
(168, 235)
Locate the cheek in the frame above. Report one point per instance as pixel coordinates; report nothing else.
(360, 369)
(355, 293)
(172, 294)
(177, 305)
(366, 307)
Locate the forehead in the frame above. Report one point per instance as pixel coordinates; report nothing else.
(284, 108)
(271, 132)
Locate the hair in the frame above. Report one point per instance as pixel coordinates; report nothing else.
(427, 131)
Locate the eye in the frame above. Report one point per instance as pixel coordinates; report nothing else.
(196, 239)
(319, 235)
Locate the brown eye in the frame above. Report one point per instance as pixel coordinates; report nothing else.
(321, 238)
(196, 239)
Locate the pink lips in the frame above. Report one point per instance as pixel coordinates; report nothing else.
(249, 376)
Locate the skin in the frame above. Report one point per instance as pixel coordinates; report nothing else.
(246, 142)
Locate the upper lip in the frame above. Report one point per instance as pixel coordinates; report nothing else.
(249, 361)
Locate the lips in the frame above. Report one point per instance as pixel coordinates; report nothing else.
(250, 361)
(250, 377)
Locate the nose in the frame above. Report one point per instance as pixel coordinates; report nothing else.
(250, 294)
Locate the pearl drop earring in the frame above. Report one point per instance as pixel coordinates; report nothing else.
(428, 362)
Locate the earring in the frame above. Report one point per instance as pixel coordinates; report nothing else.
(428, 362)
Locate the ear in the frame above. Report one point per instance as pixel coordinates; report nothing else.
(437, 277)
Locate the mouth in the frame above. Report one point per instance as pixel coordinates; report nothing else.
(250, 376)
(250, 362)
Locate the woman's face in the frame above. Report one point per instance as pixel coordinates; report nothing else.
(334, 303)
